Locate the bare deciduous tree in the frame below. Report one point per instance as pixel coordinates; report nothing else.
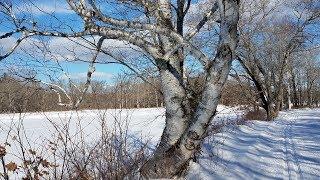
(267, 44)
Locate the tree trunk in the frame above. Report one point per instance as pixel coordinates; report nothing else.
(309, 98)
(179, 142)
(176, 104)
(300, 95)
(294, 90)
(295, 94)
(270, 111)
(288, 99)
(264, 92)
(173, 154)
(278, 100)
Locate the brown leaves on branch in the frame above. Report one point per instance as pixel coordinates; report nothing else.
(32, 152)
(12, 166)
(45, 163)
(3, 151)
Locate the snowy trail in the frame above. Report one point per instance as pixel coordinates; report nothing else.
(288, 148)
(292, 161)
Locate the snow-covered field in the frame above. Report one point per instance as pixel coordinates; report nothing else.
(288, 148)
(145, 123)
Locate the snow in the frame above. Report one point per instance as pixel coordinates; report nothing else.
(40, 124)
(142, 123)
(287, 148)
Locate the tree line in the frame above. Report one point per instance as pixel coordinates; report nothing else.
(21, 95)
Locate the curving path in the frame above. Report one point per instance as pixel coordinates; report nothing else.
(288, 148)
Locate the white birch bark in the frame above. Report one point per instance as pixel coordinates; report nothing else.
(172, 161)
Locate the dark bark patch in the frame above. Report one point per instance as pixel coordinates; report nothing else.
(190, 146)
(224, 51)
(193, 135)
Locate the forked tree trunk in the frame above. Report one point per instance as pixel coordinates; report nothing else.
(184, 133)
(176, 104)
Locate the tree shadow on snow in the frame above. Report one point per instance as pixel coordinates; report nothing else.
(288, 148)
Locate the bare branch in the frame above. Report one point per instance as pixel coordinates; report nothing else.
(13, 48)
(91, 70)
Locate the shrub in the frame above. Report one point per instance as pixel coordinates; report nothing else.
(113, 153)
(256, 114)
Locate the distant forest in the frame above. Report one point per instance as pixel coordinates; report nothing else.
(23, 95)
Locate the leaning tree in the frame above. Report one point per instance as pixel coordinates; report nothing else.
(158, 30)
(269, 43)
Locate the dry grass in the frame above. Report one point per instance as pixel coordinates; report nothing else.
(256, 114)
(113, 154)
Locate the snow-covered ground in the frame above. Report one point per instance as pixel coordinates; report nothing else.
(145, 123)
(288, 148)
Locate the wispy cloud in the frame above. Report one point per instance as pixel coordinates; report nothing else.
(7, 43)
(42, 7)
(83, 75)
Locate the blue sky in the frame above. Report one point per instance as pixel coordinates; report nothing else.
(66, 19)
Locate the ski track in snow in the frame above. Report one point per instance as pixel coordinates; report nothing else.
(287, 148)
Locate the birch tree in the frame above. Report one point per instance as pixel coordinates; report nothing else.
(160, 34)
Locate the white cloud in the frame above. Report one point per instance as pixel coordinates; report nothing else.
(98, 75)
(78, 49)
(6, 44)
(69, 49)
(40, 7)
